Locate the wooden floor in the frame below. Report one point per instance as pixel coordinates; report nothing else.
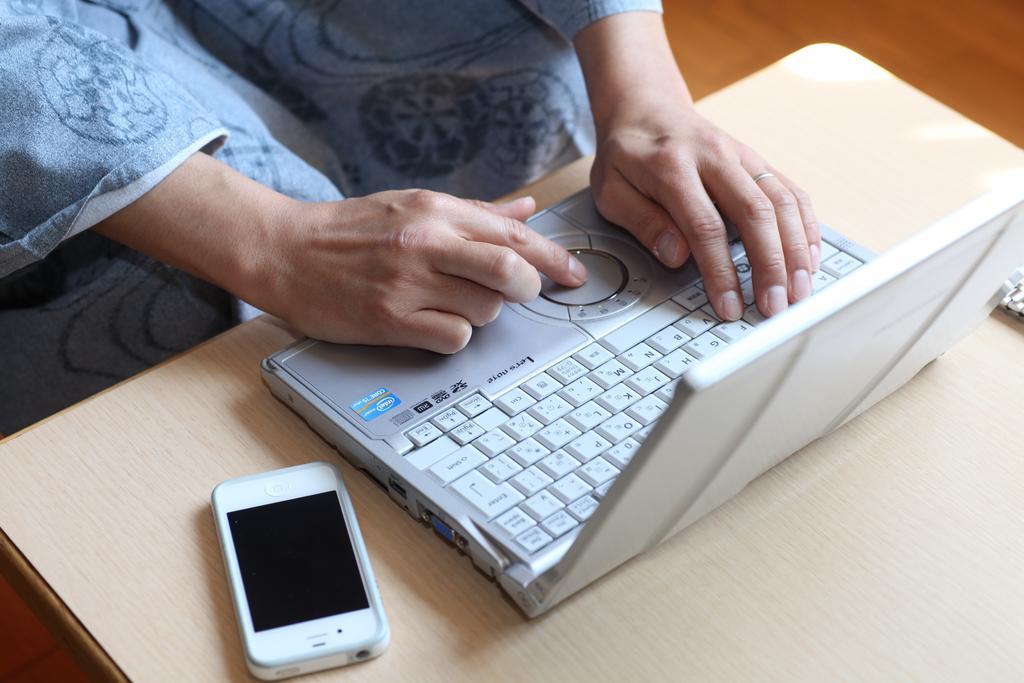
(967, 54)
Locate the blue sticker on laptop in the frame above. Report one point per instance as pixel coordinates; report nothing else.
(376, 403)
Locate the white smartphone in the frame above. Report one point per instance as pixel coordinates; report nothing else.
(300, 577)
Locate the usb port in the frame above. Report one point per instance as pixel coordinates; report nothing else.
(445, 531)
(398, 488)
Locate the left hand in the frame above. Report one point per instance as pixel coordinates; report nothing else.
(659, 172)
(663, 172)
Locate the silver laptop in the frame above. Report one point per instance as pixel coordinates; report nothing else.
(587, 426)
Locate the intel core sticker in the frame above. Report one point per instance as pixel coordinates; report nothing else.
(375, 404)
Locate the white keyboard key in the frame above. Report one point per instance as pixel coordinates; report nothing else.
(610, 374)
(747, 292)
(587, 447)
(541, 386)
(827, 251)
(668, 339)
(457, 464)
(422, 458)
(580, 391)
(494, 442)
(648, 410)
(753, 316)
(618, 398)
(642, 327)
(733, 330)
(618, 427)
(500, 468)
(569, 488)
(821, 280)
(423, 434)
(691, 298)
(533, 539)
(557, 434)
(697, 323)
(642, 434)
(527, 452)
(646, 381)
(514, 401)
(675, 363)
(593, 355)
(558, 464)
(667, 392)
(588, 416)
(568, 371)
(559, 523)
(521, 426)
(583, 508)
(705, 346)
(449, 419)
(709, 311)
(490, 418)
(597, 471)
(639, 357)
(466, 432)
(474, 405)
(840, 264)
(550, 409)
(489, 498)
(530, 481)
(602, 490)
(514, 522)
(743, 270)
(621, 453)
(542, 504)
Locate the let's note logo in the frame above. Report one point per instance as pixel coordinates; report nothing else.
(376, 403)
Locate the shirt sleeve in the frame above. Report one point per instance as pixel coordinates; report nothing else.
(85, 130)
(570, 16)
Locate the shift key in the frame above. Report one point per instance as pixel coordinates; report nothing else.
(489, 498)
(642, 327)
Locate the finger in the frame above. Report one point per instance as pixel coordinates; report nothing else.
(499, 269)
(622, 204)
(791, 232)
(520, 208)
(436, 331)
(476, 223)
(754, 215)
(682, 193)
(478, 305)
(812, 229)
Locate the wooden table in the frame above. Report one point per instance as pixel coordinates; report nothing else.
(893, 548)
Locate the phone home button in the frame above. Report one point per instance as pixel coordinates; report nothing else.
(276, 488)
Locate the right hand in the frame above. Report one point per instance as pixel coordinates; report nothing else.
(404, 268)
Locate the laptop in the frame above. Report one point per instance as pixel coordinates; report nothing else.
(582, 428)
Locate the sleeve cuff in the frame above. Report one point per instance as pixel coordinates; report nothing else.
(571, 17)
(108, 197)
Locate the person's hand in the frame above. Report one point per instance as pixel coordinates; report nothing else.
(406, 268)
(665, 173)
(661, 174)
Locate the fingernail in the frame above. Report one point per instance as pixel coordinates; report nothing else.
(776, 299)
(577, 269)
(800, 284)
(729, 306)
(667, 247)
(815, 257)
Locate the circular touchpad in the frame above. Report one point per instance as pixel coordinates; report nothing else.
(606, 277)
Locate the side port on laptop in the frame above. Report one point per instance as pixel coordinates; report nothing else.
(442, 529)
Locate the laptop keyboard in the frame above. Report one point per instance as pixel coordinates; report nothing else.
(536, 461)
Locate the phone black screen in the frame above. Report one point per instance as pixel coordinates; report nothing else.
(296, 560)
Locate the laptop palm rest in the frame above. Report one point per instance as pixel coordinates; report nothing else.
(357, 381)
